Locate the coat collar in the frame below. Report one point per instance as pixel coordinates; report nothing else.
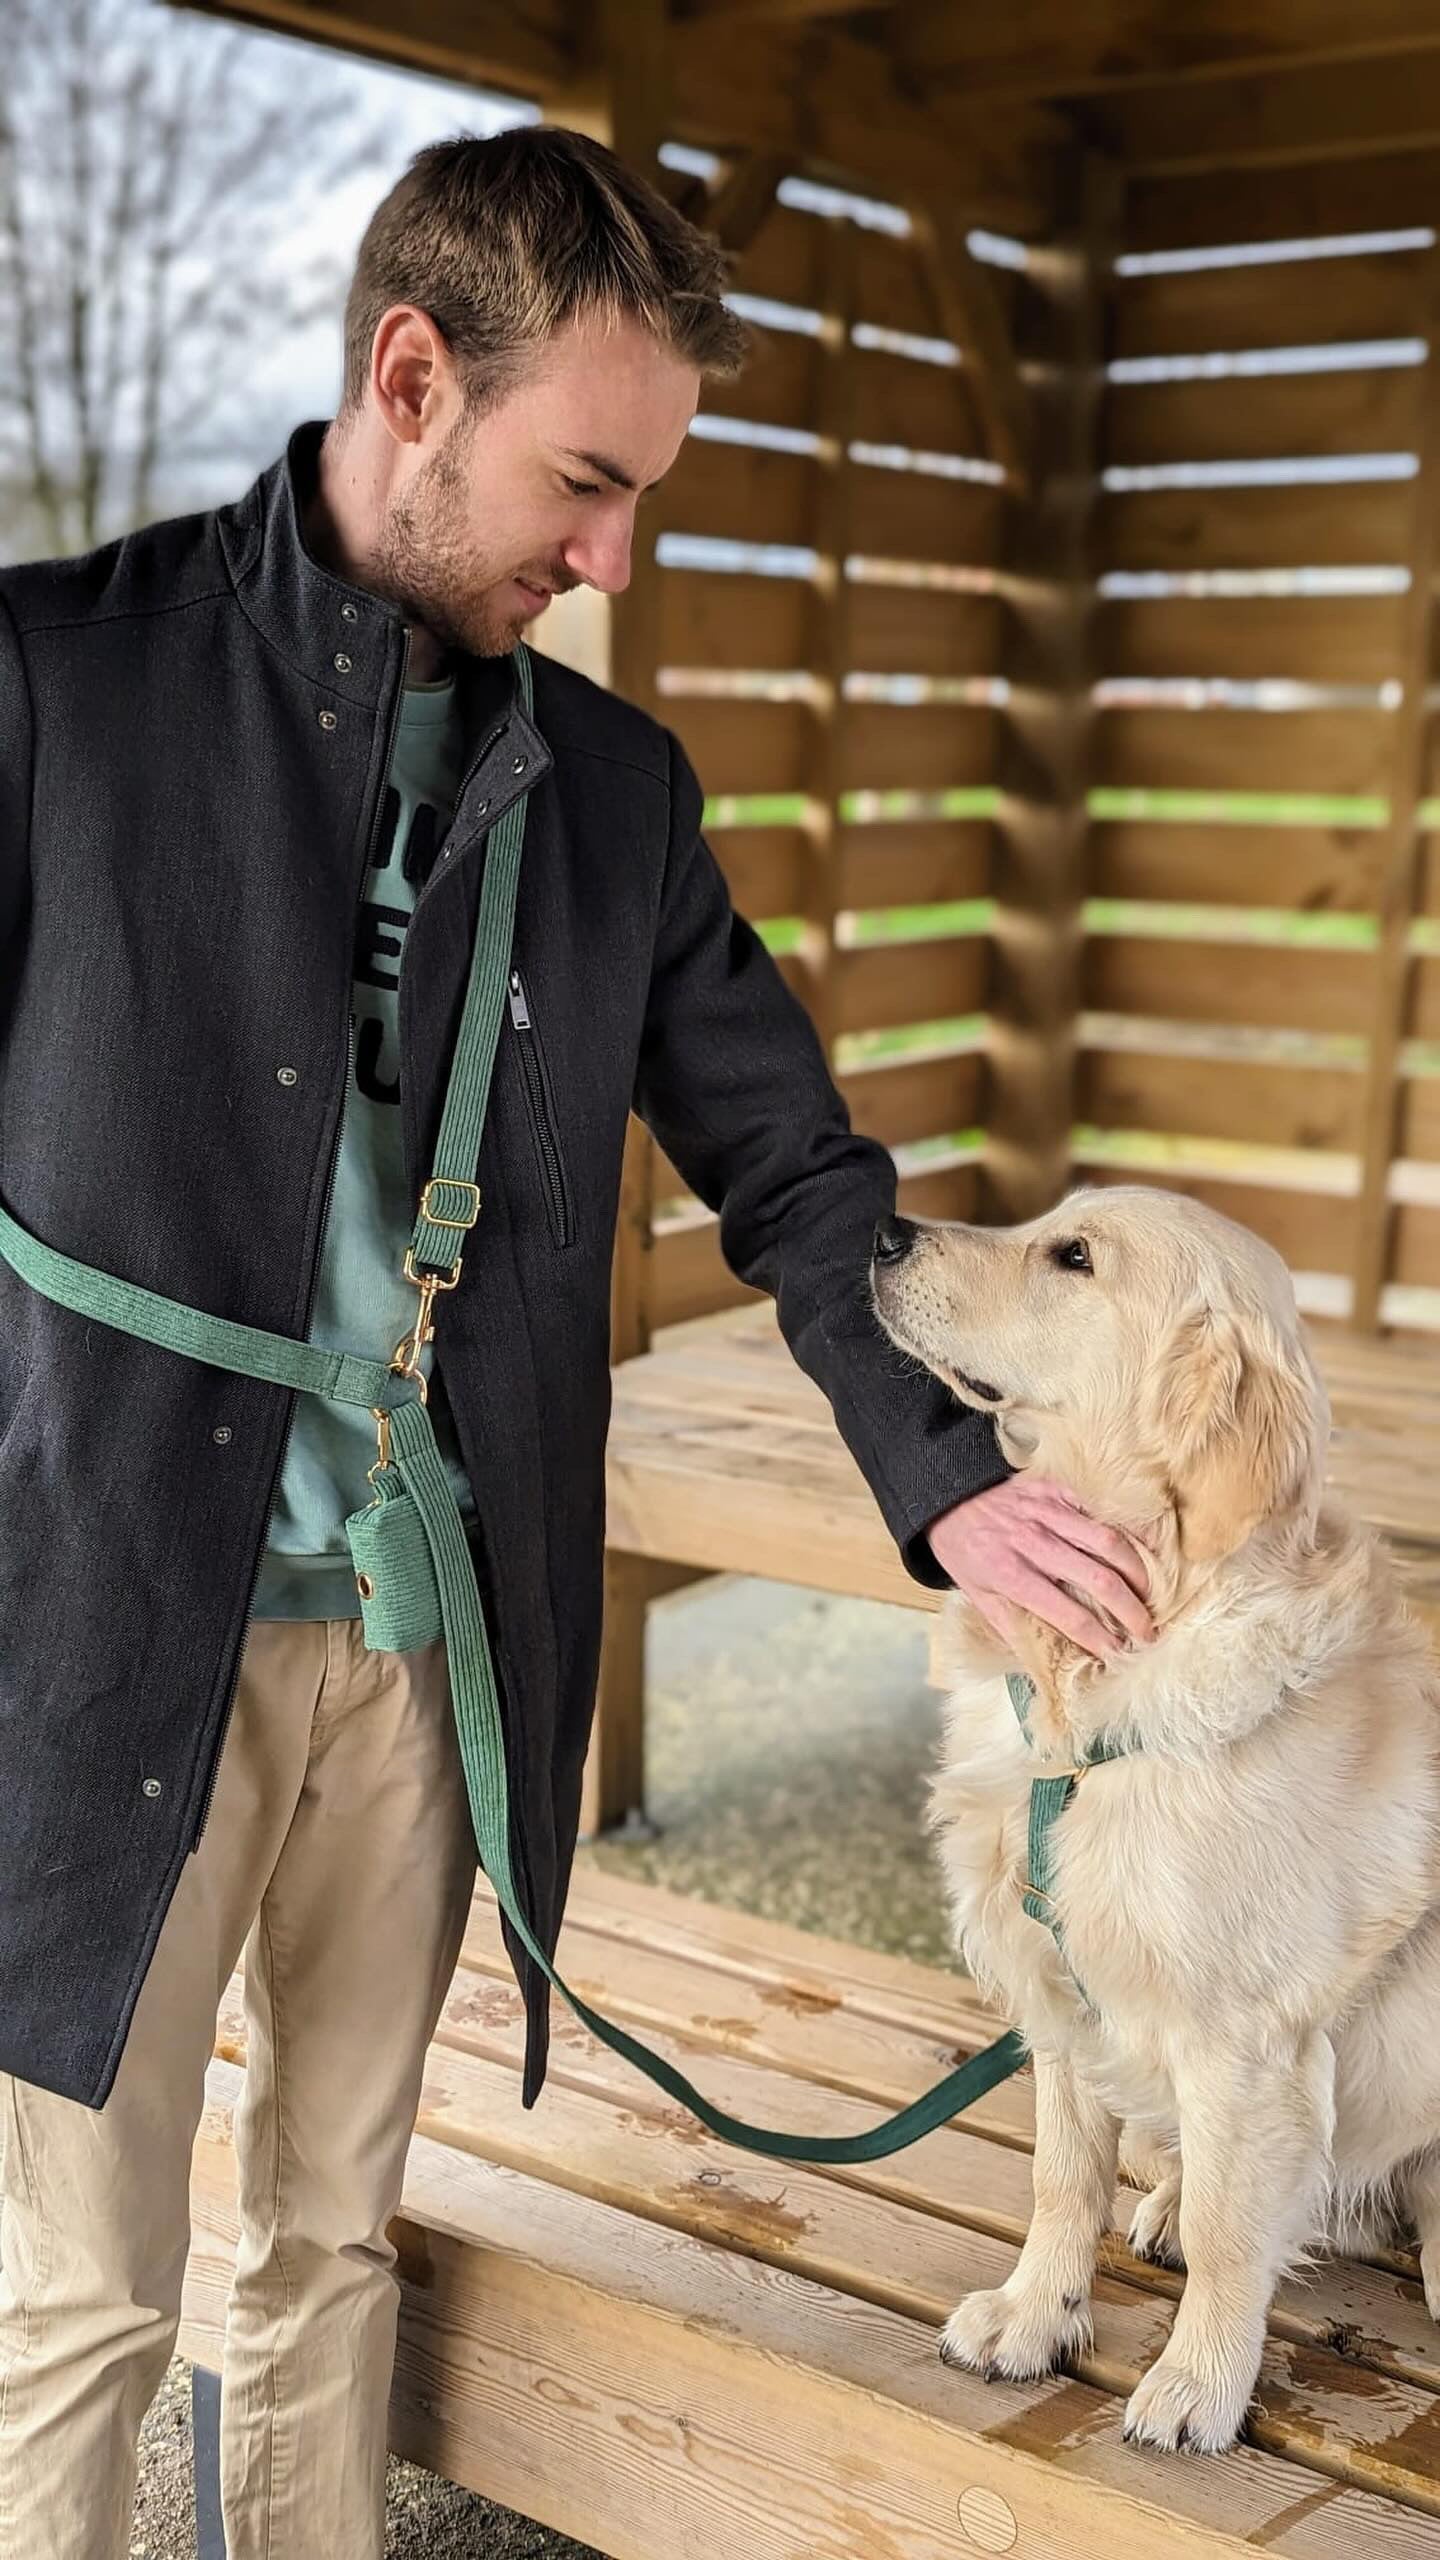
(350, 643)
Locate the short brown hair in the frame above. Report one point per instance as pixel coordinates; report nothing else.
(505, 239)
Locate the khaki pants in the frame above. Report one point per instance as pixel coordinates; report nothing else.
(339, 1854)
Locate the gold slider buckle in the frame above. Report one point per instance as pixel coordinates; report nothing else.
(455, 1183)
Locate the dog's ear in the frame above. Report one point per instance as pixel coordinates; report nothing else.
(1235, 1420)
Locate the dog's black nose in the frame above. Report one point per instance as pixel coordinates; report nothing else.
(893, 1238)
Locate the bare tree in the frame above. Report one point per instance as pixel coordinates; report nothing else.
(167, 193)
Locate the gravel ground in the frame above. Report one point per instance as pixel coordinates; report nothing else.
(789, 1737)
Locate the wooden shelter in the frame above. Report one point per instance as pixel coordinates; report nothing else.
(1047, 611)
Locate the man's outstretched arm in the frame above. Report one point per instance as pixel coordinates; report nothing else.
(734, 1084)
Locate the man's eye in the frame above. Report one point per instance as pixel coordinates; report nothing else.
(1072, 1255)
(581, 488)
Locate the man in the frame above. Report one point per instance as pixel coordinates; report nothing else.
(246, 760)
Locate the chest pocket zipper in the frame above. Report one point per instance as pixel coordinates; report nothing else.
(540, 1101)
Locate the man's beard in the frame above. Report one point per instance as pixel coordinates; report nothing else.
(424, 565)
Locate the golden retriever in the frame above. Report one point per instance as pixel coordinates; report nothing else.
(1250, 1897)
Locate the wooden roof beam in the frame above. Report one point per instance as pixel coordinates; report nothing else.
(525, 51)
(1065, 48)
(838, 106)
(1328, 109)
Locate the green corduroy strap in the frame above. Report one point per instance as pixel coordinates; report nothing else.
(450, 1203)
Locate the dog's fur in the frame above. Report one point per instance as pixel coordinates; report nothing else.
(1252, 1900)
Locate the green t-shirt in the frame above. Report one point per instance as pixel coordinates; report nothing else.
(363, 1301)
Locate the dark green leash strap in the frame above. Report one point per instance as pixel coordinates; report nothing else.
(346, 1378)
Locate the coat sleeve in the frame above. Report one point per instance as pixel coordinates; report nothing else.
(733, 1082)
(16, 766)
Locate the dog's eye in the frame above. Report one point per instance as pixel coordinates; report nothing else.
(1072, 1255)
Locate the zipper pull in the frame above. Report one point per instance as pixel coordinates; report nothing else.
(519, 1010)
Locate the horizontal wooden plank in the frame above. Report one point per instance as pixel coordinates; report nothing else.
(1229, 983)
(1313, 1231)
(1223, 127)
(779, 385)
(915, 747)
(708, 619)
(906, 400)
(921, 631)
(1308, 868)
(1417, 1129)
(1317, 302)
(1346, 752)
(1234, 1098)
(1415, 1247)
(715, 620)
(917, 862)
(744, 747)
(1307, 200)
(785, 260)
(1317, 639)
(900, 1099)
(785, 263)
(897, 982)
(739, 493)
(690, 1277)
(1364, 524)
(913, 515)
(1276, 417)
(763, 867)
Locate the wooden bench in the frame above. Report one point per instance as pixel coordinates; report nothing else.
(660, 2344)
(724, 1458)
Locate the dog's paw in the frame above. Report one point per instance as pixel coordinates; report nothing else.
(1155, 2225)
(1015, 2336)
(1180, 2411)
(1430, 2276)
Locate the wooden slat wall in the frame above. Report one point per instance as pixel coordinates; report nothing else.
(1254, 1002)
(835, 860)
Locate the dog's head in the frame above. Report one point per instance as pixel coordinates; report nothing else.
(1141, 1349)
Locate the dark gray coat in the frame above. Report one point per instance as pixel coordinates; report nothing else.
(184, 832)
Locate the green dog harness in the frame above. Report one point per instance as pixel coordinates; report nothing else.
(413, 1567)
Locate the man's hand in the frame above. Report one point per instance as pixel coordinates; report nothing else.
(1020, 1540)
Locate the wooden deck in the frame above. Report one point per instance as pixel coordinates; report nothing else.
(662, 2345)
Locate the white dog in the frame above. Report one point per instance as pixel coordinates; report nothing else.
(1249, 1899)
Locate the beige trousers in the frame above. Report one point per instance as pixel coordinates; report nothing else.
(339, 1854)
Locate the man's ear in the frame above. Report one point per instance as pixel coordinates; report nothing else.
(1235, 1419)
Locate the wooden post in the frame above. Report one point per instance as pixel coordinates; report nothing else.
(1041, 835)
(621, 96)
(828, 654)
(1402, 850)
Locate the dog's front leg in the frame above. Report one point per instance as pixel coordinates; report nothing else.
(1043, 2313)
(1255, 2133)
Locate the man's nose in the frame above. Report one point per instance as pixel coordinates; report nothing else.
(602, 559)
(893, 1239)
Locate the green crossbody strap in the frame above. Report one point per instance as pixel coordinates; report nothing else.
(449, 1206)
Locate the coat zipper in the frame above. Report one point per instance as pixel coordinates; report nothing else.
(542, 1120)
(297, 1392)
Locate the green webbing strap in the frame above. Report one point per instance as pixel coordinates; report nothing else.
(1048, 1799)
(348, 1379)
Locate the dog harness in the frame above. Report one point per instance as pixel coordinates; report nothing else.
(414, 1571)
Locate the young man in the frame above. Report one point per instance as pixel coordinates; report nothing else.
(247, 759)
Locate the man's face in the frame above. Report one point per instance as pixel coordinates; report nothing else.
(539, 494)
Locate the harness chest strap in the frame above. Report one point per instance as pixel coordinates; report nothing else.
(348, 1378)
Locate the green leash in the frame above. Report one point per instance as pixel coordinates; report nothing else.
(431, 1560)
